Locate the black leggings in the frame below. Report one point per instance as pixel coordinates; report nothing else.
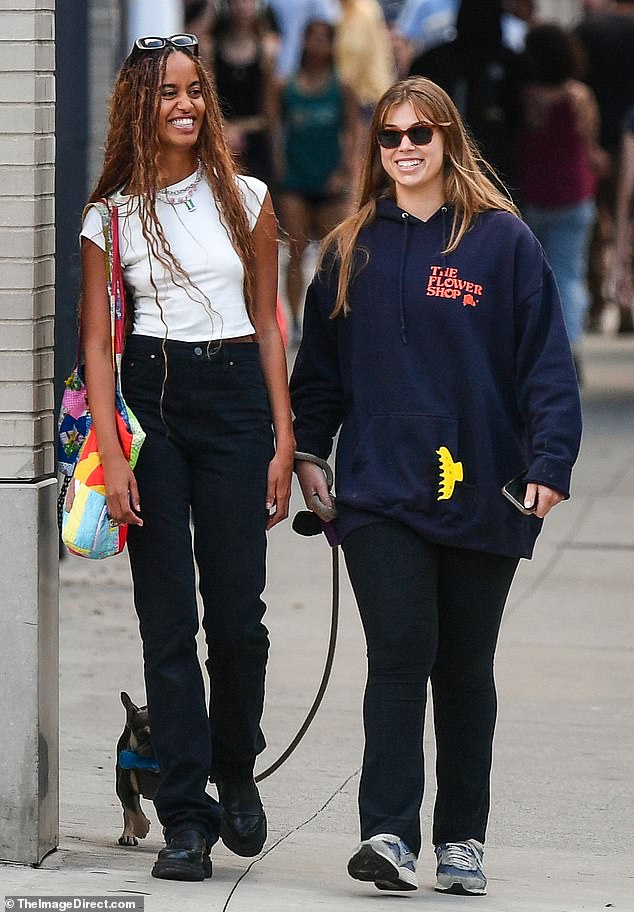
(428, 611)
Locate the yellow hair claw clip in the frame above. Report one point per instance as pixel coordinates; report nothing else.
(450, 473)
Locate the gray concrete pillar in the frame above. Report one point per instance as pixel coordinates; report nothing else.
(107, 47)
(29, 552)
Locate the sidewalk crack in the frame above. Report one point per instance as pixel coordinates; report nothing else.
(281, 839)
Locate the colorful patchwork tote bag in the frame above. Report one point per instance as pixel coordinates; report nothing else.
(82, 511)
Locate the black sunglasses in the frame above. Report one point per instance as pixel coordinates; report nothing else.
(155, 43)
(419, 134)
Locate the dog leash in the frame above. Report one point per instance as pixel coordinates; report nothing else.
(307, 523)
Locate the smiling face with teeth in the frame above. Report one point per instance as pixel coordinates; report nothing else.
(182, 108)
(417, 171)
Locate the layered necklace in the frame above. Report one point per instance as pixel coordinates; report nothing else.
(184, 194)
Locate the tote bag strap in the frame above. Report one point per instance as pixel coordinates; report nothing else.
(118, 288)
(114, 278)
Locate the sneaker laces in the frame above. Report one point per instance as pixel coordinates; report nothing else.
(461, 855)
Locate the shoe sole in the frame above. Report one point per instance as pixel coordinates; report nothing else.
(246, 848)
(368, 865)
(183, 870)
(458, 889)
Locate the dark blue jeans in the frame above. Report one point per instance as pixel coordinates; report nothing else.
(427, 611)
(203, 466)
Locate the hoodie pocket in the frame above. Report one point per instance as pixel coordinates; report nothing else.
(407, 462)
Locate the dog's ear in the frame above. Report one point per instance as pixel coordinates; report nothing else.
(127, 702)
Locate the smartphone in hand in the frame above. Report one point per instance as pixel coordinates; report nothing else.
(515, 491)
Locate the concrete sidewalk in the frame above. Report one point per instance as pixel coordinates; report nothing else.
(560, 834)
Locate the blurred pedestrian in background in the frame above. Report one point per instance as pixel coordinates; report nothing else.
(401, 53)
(623, 280)
(607, 36)
(483, 79)
(363, 54)
(364, 60)
(559, 161)
(315, 123)
(427, 23)
(292, 17)
(242, 61)
(391, 9)
(199, 18)
(517, 18)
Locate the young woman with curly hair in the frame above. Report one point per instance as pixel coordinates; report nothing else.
(204, 371)
(434, 343)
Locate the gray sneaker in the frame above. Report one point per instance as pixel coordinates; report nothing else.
(387, 861)
(460, 869)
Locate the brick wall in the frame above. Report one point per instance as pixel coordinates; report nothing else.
(27, 301)
(29, 671)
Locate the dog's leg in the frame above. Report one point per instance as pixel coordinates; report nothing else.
(135, 823)
(141, 822)
(128, 838)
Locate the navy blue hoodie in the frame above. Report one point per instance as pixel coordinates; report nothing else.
(451, 375)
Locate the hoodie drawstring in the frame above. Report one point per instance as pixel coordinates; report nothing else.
(444, 236)
(401, 305)
(401, 278)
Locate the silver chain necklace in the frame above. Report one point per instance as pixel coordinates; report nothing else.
(184, 195)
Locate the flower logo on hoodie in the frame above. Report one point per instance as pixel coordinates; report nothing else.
(445, 282)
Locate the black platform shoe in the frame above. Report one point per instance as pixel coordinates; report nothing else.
(243, 826)
(185, 857)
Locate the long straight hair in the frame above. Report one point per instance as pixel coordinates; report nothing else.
(468, 188)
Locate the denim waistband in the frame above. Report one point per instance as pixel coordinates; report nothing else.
(210, 350)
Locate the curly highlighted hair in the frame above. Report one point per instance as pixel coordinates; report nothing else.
(470, 183)
(132, 155)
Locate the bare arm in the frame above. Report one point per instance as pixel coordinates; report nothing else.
(623, 239)
(588, 122)
(351, 125)
(586, 112)
(273, 360)
(121, 488)
(273, 105)
(203, 26)
(350, 137)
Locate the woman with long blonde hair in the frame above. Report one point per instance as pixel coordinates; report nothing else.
(204, 371)
(434, 344)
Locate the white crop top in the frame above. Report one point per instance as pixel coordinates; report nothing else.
(202, 246)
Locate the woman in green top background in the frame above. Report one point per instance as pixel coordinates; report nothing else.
(314, 131)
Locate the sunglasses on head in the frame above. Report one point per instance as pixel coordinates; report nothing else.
(155, 43)
(419, 134)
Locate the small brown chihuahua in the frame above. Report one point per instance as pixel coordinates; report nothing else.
(137, 772)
